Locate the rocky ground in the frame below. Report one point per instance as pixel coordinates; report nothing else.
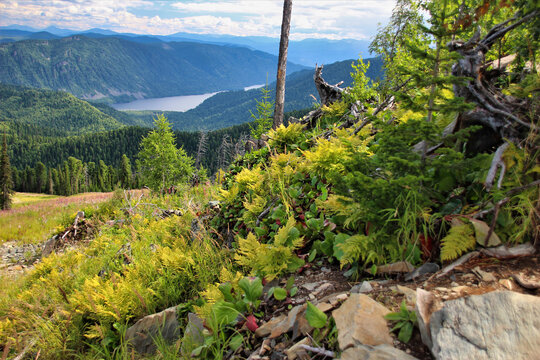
(484, 308)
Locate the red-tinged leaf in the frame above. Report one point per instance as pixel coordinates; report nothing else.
(251, 323)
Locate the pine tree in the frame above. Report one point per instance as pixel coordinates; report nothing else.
(6, 181)
(125, 172)
(163, 164)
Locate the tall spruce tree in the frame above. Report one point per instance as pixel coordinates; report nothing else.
(6, 181)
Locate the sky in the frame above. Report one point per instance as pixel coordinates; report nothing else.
(332, 19)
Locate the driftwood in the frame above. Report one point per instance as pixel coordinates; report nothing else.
(500, 115)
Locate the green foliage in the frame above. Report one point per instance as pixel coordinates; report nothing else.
(459, 239)
(315, 317)
(163, 164)
(6, 180)
(273, 259)
(361, 90)
(75, 64)
(262, 122)
(405, 322)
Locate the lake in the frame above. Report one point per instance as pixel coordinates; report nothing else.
(171, 103)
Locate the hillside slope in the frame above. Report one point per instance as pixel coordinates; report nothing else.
(57, 111)
(233, 107)
(112, 68)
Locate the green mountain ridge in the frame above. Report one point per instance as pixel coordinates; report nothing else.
(231, 108)
(110, 69)
(55, 110)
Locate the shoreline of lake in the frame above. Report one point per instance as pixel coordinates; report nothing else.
(170, 103)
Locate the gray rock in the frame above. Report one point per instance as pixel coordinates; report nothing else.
(426, 304)
(310, 286)
(49, 246)
(379, 352)
(497, 325)
(427, 268)
(193, 335)
(365, 287)
(360, 321)
(164, 323)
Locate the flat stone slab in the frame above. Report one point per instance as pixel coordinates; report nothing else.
(492, 326)
(360, 321)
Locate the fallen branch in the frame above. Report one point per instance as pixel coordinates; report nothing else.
(25, 350)
(320, 351)
(495, 164)
(503, 252)
(265, 212)
(456, 263)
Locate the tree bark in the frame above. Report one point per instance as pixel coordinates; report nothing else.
(282, 63)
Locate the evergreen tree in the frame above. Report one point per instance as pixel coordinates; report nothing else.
(41, 177)
(125, 172)
(6, 181)
(163, 164)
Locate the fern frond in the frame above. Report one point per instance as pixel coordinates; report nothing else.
(460, 239)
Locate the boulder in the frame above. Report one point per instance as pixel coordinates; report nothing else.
(426, 305)
(360, 321)
(496, 325)
(140, 336)
(379, 352)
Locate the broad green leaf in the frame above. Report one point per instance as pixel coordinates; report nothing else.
(405, 333)
(394, 316)
(340, 239)
(236, 341)
(312, 255)
(280, 293)
(226, 290)
(293, 291)
(315, 317)
(252, 288)
(224, 312)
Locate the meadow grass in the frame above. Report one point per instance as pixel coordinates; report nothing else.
(34, 217)
(78, 303)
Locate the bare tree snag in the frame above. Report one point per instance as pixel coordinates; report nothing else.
(328, 93)
(500, 115)
(282, 63)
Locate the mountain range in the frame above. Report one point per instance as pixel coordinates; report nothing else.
(304, 52)
(112, 68)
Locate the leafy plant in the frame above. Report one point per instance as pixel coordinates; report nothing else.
(315, 317)
(405, 322)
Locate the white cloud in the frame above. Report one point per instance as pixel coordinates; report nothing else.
(310, 18)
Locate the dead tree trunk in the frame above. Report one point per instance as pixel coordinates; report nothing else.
(282, 63)
(501, 116)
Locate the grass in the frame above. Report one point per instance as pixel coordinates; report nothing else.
(34, 217)
(77, 304)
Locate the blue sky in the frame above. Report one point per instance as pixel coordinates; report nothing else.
(333, 19)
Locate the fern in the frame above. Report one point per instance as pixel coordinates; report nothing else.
(459, 239)
(360, 247)
(283, 137)
(271, 260)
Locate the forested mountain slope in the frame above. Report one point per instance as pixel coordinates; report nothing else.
(122, 70)
(57, 111)
(233, 107)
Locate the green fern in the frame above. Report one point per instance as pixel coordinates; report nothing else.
(459, 239)
(271, 260)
